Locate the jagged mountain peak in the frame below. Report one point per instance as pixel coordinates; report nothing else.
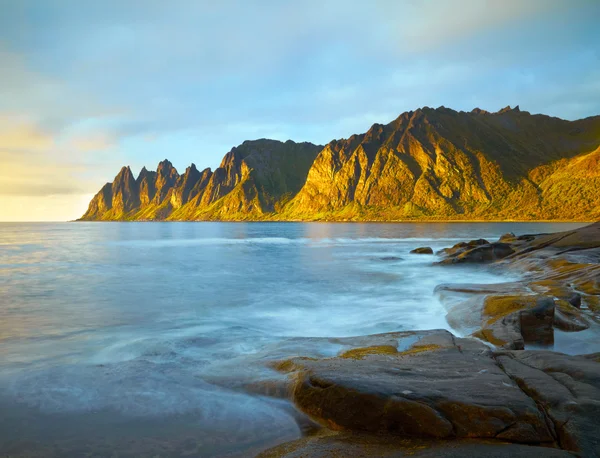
(165, 167)
(165, 163)
(125, 172)
(144, 174)
(425, 164)
(508, 109)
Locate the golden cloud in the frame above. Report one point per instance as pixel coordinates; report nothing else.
(34, 162)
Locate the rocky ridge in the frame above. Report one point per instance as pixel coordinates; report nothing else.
(254, 179)
(427, 164)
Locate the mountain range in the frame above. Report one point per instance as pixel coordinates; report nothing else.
(428, 164)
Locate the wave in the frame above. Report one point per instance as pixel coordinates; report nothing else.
(280, 241)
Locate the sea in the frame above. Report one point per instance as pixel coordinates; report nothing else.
(158, 339)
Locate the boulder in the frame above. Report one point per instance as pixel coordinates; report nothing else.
(503, 333)
(463, 246)
(480, 254)
(508, 237)
(512, 321)
(537, 322)
(422, 250)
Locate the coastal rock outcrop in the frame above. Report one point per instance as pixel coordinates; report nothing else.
(429, 393)
(561, 290)
(438, 388)
(431, 385)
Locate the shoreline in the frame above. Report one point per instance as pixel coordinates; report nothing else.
(359, 393)
(323, 221)
(376, 394)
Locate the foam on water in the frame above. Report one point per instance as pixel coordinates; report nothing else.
(315, 242)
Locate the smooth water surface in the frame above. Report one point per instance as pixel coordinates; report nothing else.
(109, 327)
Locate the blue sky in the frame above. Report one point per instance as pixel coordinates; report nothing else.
(88, 86)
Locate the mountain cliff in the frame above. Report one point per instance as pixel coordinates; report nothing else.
(254, 180)
(426, 164)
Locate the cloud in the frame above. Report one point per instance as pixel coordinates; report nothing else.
(19, 135)
(428, 24)
(54, 139)
(46, 99)
(28, 166)
(40, 180)
(35, 163)
(93, 141)
(59, 207)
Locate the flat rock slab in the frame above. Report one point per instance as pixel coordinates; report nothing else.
(441, 387)
(566, 388)
(363, 445)
(444, 387)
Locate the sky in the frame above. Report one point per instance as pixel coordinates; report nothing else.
(88, 86)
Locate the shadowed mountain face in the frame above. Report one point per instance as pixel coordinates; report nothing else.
(427, 164)
(254, 180)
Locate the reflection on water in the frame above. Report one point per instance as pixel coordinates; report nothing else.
(135, 328)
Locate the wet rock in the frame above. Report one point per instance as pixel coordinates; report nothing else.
(575, 300)
(422, 250)
(512, 321)
(567, 388)
(480, 254)
(567, 323)
(527, 237)
(369, 445)
(508, 237)
(537, 322)
(569, 318)
(593, 304)
(479, 289)
(390, 258)
(503, 333)
(463, 246)
(441, 387)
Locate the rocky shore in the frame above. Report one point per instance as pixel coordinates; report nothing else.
(502, 389)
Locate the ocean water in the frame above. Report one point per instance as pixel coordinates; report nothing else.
(146, 339)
